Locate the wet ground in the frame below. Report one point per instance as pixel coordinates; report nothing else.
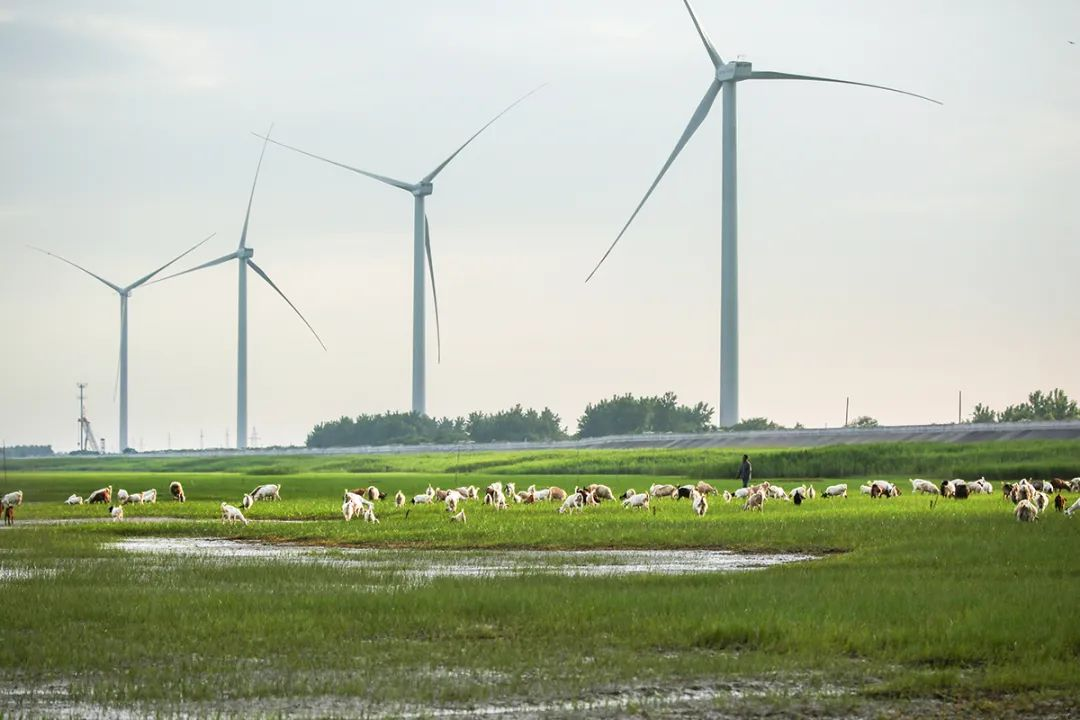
(428, 564)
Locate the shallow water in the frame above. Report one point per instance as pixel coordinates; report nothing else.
(427, 564)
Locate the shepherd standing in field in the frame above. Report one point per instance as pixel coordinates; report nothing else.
(745, 471)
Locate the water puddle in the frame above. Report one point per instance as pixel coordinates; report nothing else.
(430, 564)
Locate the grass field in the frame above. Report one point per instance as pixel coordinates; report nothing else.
(910, 610)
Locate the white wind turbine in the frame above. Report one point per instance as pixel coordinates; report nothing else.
(726, 76)
(125, 293)
(243, 257)
(421, 247)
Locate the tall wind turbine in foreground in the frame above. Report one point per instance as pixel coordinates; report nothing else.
(125, 293)
(727, 75)
(421, 246)
(243, 257)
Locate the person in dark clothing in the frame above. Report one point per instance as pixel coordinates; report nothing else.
(745, 471)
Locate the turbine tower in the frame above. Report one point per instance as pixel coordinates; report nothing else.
(727, 75)
(421, 247)
(243, 255)
(124, 293)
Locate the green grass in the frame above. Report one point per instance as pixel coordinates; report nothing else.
(994, 460)
(955, 606)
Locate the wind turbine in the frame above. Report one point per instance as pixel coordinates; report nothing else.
(243, 255)
(727, 75)
(421, 246)
(125, 293)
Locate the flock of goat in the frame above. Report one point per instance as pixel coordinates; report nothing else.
(1030, 497)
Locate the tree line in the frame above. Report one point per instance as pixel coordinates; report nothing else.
(618, 415)
(1052, 405)
(26, 451)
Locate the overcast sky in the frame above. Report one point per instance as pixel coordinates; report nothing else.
(891, 250)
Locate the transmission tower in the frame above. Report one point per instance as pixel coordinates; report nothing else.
(86, 433)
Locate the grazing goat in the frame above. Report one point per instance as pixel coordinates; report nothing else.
(453, 497)
(640, 500)
(104, 495)
(263, 492)
(741, 493)
(659, 491)
(811, 493)
(1061, 484)
(706, 489)
(755, 502)
(777, 493)
(883, 488)
(1044, 485)
(836, 491)
(399, 499)
(798, 495)
(918, 485)
(574, 501)
(1059, 503)
(556, 493)
(353, 504)
(628, 494)
(699, 503)
(9, 502)
(865, 489)
(423, 499)
(460, 517)
(1075, 484)
(981, 486)
(601, 492)
(1042, 501)
(116, 512)
(150, 496)
(728, 497)
(74, 500)
(1026, 511)
(1073, 508)
(122, 496)
(230, 513)
(177, 491)
(684, 491)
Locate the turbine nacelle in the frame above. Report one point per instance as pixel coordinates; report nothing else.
(737, 70)
(245, 252)
(422, 189)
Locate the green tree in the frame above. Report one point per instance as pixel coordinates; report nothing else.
(863, 421)
(625, 414)
(515, 424)
(756, 423)
(983, 414)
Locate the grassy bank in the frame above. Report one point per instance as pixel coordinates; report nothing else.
(994, 460)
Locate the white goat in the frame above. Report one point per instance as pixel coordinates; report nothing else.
(452, 499)
(122, 496)
(640, 500)
(1042, 501)
(230, 513)
(1026, 511)
(116, 512)
(836, 491)
(864, 489)
(149, 496)
(574, 501)
(74, 500)
(263, 492)
(399, 499)
(460, 517)
(1073, 508)
(918, 485)
(980, 486)
(423, 499)
(699, 503)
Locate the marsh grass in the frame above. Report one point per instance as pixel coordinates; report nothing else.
(909, 601)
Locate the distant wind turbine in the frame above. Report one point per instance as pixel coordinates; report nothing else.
(727, 75)
(421, 247)
(124, 293)
(243, 257)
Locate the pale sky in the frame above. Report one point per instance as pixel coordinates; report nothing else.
(891, 250)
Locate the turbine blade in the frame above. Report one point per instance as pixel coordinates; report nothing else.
(117, 288)
(434, 294)
(695, 122)
(713, 55)
(224, 258)
(381, 178)
(768, 75)
(247, 215)
(143, 279)
(266, 277)
(431, 175)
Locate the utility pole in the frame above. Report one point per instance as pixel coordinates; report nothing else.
(960, 408)
(847, 406)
